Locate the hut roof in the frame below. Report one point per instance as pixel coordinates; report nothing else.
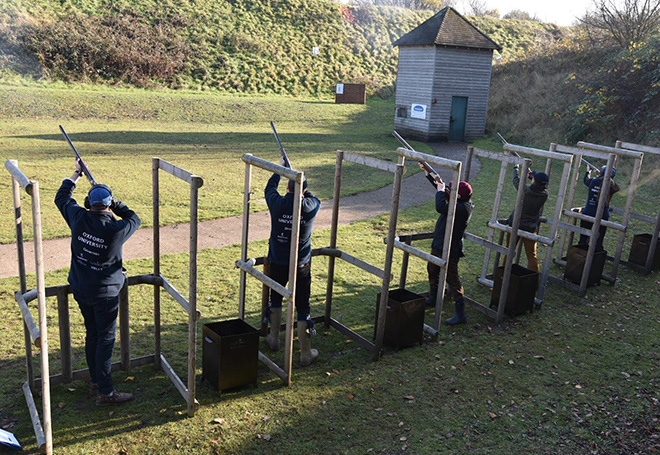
(447, 28)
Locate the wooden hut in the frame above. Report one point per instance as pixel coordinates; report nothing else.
(443, 79)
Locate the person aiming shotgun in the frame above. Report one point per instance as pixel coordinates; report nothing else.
(96, 274)
(593, 196)
(281, 219)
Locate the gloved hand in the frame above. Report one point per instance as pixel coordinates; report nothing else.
(440, 185)
(115, 204)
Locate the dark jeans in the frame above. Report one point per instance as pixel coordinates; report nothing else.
(280, 273)
(453, 280)
(584, 239)
(101, 328)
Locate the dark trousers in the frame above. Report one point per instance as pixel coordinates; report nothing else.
(453, 280)
(280, 273)
(101, 328)
(584, 239)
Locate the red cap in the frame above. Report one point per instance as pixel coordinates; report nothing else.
(464, 189)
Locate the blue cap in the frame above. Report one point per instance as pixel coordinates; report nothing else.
(540, 177)
(604, 168)
(100, 197)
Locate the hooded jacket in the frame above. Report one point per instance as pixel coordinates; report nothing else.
(464, 208)
(534, 198)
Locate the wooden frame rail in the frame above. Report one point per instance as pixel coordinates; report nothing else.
(189, 305)
(43, 434)
(247, 266)
(611, 155)
(655, 222)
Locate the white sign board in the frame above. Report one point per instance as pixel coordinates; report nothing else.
(418, 111)
(340, 89)
(315, 51)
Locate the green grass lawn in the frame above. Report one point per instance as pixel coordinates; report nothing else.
(118, 132)
(579, 376)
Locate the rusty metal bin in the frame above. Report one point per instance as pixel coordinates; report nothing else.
(523, 285)
(639, 251)
(230, 353)
(404, 323)
(577, 256)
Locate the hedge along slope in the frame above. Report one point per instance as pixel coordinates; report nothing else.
(252, 46)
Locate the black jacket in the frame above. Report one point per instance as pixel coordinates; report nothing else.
(281, 210)
(464, 208)
(96, 245)
(534, 199)
(594, 195)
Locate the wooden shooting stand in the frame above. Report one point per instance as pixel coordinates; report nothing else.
(37, 334)
(655, 222)
(547, 241)
(611, 155)
(404, 242)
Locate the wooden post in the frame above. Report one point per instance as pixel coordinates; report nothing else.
(16, 192)
(446, 249)
(595, 228)
(65, 334)
(387, 269)
(43, 325)
(654, 244)
(265, 299)
(155, 166)
(508, 264)
(626, 215)
(196, 183)
(496, 209)
(124, 331)
(247, 188)
(569, 201)
(404, 266)
(333, 238)
(468, 163)
(293, 276)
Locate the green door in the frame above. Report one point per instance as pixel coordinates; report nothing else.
(457, 119)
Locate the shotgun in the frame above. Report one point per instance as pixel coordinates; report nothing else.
(82, 163)
(590, 166)
(431, 174)
(285, 158)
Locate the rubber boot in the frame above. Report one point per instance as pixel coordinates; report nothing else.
(459, 317)
(273, 338)
(307, 354)
(433, 294)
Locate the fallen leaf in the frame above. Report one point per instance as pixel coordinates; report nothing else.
(129, 378)
(266, 418)
(61, 404)
(400, 424)
(219, 420)
(350, 396)
(111, 413)
(493, 415)
(540, 357)
(510, 362)
(409, 397)
(403, 438)
(72, 389)
(214, 441)
(578, 386)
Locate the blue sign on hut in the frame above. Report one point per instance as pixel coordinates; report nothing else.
(443, 79)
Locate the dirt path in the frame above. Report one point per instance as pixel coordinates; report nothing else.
(227, 231)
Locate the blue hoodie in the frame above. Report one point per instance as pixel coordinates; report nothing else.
(96, 245)
(281, 210)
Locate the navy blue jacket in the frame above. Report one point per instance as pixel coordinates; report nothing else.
(464, 208)
(96, 245)
(281, 210)
(594, 194)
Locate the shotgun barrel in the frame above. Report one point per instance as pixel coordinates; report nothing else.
(82, 163)
(285, 158)
(431, 174)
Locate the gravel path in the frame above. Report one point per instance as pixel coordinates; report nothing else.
(227, 231)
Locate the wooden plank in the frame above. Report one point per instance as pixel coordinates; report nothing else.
(194, 314)
(606, 223)
(614, 150)
(431, 331)
(524, 234)
(272, 167)
(432, 159)
(176, 295)
(497, 156)
(359, 263)
(82, 374)
(274, 285)
(65, 334)
(124, 330)
(419, 253)
(485, 243)
(178, 383)
(634, 216)
(538, 152)
(179, 172)
(35, 334)
(155, 181)
(363, 342)
(18, 176)
(482, 308)
(414, 237)
(34, 417)
(272, 366)
(575, 228)
(371, 162)
(245, 229)
(638, 147)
